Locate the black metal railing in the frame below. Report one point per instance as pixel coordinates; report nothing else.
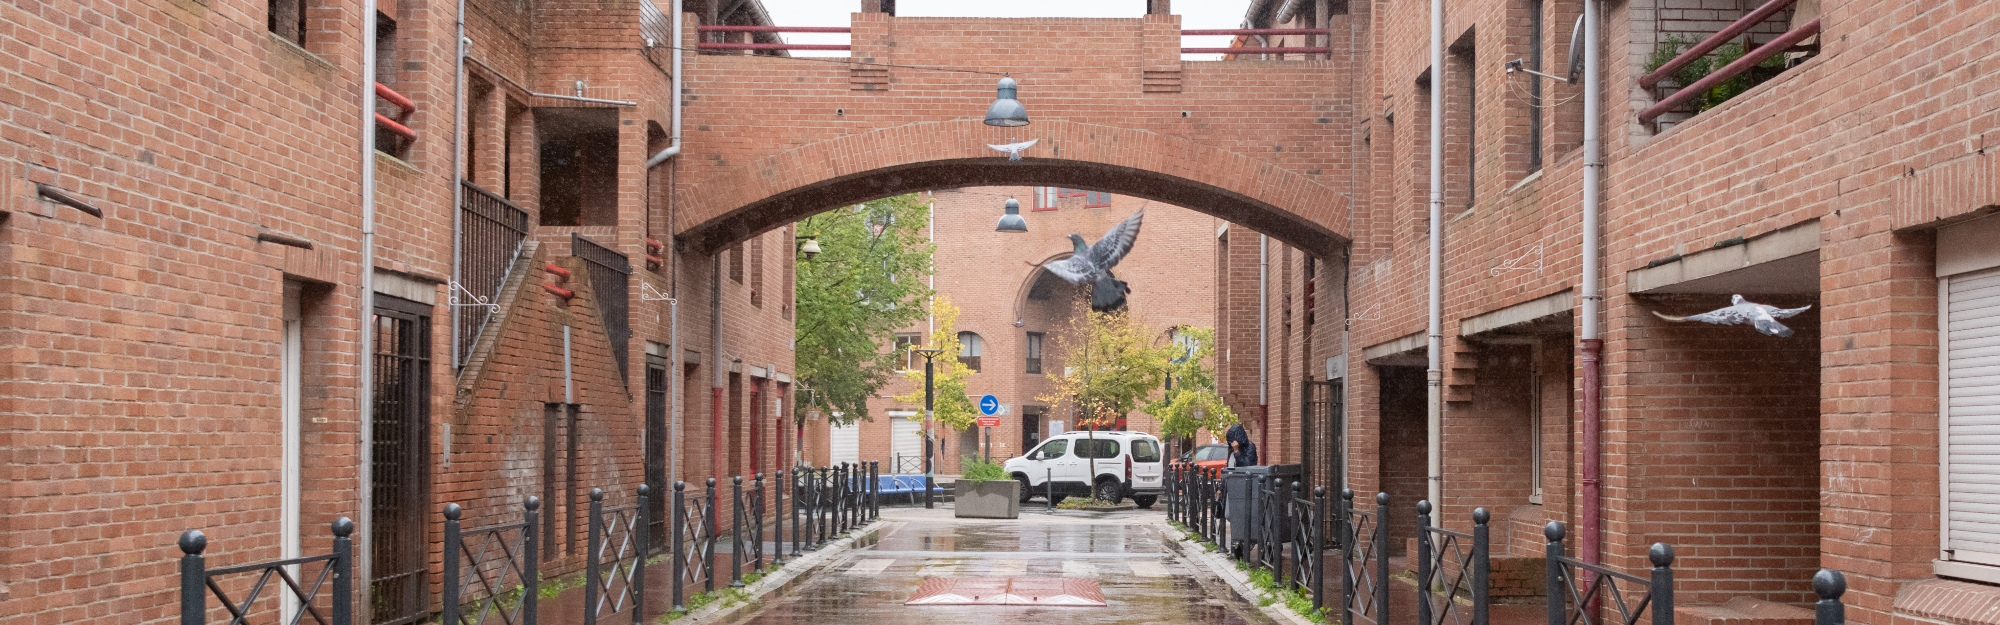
(298, 587)
(610, 279)
(490, 572)
(1451, 565)
(694, 541)
(491, 230)
(1589, 594)
(1309, 545)
(1364, 558)
(616, 574)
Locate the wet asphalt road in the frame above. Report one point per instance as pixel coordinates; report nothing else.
(1143, 579)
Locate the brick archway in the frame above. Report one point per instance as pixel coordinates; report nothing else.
(771, 190)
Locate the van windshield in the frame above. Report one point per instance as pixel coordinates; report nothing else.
(1145, 450)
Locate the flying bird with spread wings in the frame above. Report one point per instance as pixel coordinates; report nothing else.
(1763, 317)
(1013, 150)
(1091, 264)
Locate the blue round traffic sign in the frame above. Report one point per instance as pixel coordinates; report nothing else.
(989, 405)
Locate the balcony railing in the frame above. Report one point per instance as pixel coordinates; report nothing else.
(398, 123)
(490, 236)
(1750, 59)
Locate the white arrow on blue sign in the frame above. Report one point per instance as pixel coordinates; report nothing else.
(989, 405)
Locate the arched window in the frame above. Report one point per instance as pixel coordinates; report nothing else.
(969, 348)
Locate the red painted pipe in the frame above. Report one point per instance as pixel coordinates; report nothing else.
(1298, 50)
(774, 29)
(556, 269)
(1749, 60)
(1591, 529)
(401, 101)
(774, 46)
(715, 434)
(559, 291)
(653, 245)
(1253, 31)
(1748, 21)
(391, 125)
(655, 260)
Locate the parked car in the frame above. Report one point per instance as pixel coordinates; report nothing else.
(1107, 465)
(1210, 458)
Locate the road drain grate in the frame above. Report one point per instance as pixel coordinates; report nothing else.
(1042, 591)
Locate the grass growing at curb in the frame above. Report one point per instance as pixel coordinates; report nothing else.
(1265, 583)
(727, 596)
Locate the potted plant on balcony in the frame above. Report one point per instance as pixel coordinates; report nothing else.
(985, 491)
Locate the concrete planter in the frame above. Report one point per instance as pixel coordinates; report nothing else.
(997, 499)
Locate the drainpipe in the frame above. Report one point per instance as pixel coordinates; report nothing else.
(674, 134)
(1593, 297)
(457, 175)
(365, 361)
(676, 361)
(718, 377)
(1263, 348)
(756, 426)
(1434, 373)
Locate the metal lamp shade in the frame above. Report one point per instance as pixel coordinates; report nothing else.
(810, 248)
(1012, 221)
(1007, 111)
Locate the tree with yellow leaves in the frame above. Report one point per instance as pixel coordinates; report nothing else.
(1111, 363)
(948, 381)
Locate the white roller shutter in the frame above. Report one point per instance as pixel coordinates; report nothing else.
(906, 445)
(1970, 383)
(845, 444)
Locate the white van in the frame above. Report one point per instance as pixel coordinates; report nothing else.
(1107, 465)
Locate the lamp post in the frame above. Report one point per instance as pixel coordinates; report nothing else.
(808, 245)
(930, 414)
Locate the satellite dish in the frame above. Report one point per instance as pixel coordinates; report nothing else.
(1576, 50)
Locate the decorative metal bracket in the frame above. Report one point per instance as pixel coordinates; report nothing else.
(650, 293)
(1371, 313)
(457, 300)
(1520, 264)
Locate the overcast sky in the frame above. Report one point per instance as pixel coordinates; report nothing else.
(1194, 14)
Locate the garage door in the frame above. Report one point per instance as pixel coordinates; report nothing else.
(906, 445)
(846, 444)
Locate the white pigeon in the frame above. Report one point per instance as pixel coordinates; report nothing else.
(1013, 150)
(1091, 264)
(1764, 318)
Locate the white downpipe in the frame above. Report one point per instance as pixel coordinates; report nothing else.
(674, 365)
(1434, 373)
(365, 358)
(457, 182)
(674, 133)
(1263, 349)
(1593, 169)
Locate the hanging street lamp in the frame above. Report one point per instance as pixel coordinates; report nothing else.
(1012, 221)
(1006, 111)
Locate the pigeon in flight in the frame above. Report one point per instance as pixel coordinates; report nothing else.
(1091, 264)
(1764, 318)
(1013, 150)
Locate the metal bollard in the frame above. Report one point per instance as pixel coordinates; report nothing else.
(678, 527)
(531, 571)
(1558, 597)
(592, 573)
(1662, 586)
(778, 521)
(1829, 584)
(640, 542)
(454, 538)
(736, 532)
(708, 546)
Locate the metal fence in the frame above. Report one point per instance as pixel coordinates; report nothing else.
(1581, 593)
(1364, 561)
(1451, 565)
(617, 547)
(299, 581)
(491, 572)
(490, 235)
(610, 279)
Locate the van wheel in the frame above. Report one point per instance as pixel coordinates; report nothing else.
(1145, 501)
(1027, 492)
(1107, 491)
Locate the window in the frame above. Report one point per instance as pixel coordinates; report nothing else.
(969, 348)
(1145, 451)
(1097, 448)
(1969, 375)
(911, 361)
(1069, 193)
(1054, 449)
(1034, 352)
(736, 263)
(1045, 198)
(1461, 131)
(1534, 61)
(579, 156)
(287, 20)
(1096, 199)
(387, 140)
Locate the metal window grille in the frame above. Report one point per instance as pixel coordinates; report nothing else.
(610, 279)
(656, 447)
(398, 468)
(488, 243)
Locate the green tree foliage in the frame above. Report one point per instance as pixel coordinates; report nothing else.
(948, 381)
(1191, 404)
(1111, 363)
(865, 284)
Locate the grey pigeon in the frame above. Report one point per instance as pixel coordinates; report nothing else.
(1013, 150)
(1764, 318)
(1091, 264)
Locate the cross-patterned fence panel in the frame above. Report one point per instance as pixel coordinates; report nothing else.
(615, 577)
(1588, 594)
(1364, 557)
(694, 540)
(1450, 565)
(298, 582)
(490, 572)
(1308, 553)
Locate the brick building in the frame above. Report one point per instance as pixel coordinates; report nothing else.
(235, 346)
(1011, 312)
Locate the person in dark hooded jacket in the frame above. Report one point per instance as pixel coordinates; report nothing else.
(1242, 452)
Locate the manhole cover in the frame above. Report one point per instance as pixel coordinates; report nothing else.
(1045, 591)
